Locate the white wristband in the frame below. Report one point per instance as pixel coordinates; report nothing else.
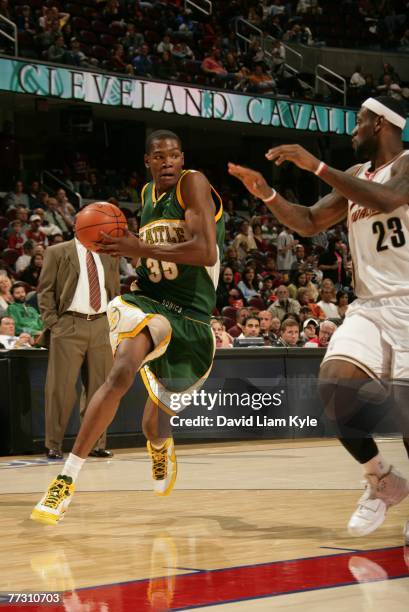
(320, 168)
(270, 198)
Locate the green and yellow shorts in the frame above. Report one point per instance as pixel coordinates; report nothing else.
(183, 347)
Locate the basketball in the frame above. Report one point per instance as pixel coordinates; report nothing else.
(96, 218)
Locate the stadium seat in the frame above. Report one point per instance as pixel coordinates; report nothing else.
(100, 53)
(117, 29)
(89, 38)
(99, 26)
(107, 40)
(79, 23)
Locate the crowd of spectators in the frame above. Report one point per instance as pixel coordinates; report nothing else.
(163, 39)
(293, 293)
(274, 285)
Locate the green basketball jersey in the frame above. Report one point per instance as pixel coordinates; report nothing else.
(177, 286)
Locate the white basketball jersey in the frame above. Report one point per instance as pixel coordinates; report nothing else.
(379, 243)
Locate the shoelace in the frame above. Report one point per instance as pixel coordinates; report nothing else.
(55, 494)
(159, 468)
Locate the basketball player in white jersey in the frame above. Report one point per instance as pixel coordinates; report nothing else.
(372, 345)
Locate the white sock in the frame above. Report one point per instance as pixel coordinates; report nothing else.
(72, 466)
(377, 466)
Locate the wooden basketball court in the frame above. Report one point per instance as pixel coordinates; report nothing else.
(254, 525)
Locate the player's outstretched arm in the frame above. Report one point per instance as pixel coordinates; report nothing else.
(305, 220)
(384, 197)
(200, 247)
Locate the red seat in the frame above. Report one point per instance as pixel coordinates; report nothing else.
(99, 26)
(107, 40)
(88, 37)
(79, 23)
(100, 52)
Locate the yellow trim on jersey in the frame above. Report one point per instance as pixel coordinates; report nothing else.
(179, 198)
(143, 193)
(154, 199)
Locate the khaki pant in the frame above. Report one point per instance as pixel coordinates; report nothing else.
(77, 346)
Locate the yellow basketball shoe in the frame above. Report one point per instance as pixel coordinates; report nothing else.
(164, 467)
(50, 509)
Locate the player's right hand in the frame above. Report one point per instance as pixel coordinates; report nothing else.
(251, 179)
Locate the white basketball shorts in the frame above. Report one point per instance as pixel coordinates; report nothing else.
(375, 337)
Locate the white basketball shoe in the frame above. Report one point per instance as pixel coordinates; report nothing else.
(164, 467)
(379, 495)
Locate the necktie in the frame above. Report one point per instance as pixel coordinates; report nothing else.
(93, 281)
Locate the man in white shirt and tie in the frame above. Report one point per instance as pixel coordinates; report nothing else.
(74, 289)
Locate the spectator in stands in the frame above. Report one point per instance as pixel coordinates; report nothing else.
(226, 283)
(32, 273)
(299, 262)
(251, 327)
(223, 339)
(310, 329)
(165, 45)
(58, 51)
(132, 40)
(357, 79)
(24, 260)
(332, 263)
(47, 228)
(25, 21)
(369, 88)
(390, 88)
(34, 233)
(266, 327)
(261, 81)
(54, 217)
(285, 250)
(16, 237)
(289, 333)
(305, 298)
(212, 64)
(241, 315)
(26, 318)
(244, 241)
(17, 197)
(119, 62)
(278, 57)
(22, 214)
(5, 294)
(404, 41)
(267, 290)
(236, 299)
(390, 70)
(166, 68)
(65, 207)
(300, 280)
(8, 338)
(75, 55)
(327, 305)
(284, 305)
(142, 62)
(326, 330)
(34, 194)
(248, 284)
(342, 303)
(181, 51)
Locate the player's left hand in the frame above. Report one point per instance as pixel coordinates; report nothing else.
(293, 153)
(124, 246)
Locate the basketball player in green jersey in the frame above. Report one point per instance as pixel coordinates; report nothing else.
(162, 327)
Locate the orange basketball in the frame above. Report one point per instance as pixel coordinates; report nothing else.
(96, 218)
